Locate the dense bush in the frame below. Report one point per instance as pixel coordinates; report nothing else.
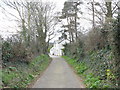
(15, 51)
(74, 50)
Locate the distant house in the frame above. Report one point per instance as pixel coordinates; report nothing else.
(57, 48)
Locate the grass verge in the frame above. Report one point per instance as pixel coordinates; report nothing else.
(81, 69)
(20, 75)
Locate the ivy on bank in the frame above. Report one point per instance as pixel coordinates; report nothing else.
(20, 75)
(83, 70)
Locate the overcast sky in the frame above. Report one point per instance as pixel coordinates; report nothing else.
(8, 25)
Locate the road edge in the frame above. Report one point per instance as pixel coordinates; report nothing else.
(77, 76)
(36, 78)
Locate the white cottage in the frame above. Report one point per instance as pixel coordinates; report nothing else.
(57, 48)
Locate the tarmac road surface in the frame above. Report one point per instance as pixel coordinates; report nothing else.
(58, 75)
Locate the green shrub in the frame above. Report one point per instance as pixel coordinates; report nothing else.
(8, 76)
(81, 68)
(6, 51)
(92, 81)
(15, 51)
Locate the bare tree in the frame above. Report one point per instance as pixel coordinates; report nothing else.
(36, 19)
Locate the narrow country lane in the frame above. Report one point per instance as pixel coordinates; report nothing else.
(58, 75)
